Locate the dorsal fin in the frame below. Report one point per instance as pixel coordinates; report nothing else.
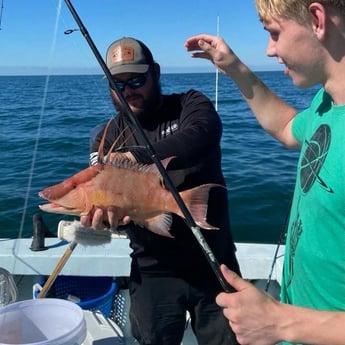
(117, 139)
(101, 155)
(165, 163)
(101, 144)
(125, 163)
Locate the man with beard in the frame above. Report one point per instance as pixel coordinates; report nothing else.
(169, 276)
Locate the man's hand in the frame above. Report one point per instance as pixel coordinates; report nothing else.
(100, 219)
(121, 155)
(252, 313)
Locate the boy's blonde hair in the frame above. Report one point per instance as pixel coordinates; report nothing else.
(292, 9)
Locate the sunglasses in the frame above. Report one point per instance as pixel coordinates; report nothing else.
(133, 83)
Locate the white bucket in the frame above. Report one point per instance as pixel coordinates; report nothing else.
(47, 321)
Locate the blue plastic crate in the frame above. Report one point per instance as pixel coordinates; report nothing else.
(95, 293)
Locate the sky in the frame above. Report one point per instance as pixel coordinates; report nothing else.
(32, 39)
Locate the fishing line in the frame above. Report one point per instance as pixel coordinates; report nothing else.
(1, 11)
(217, 74)
(135, 122)
(33, 161)
(281, 241)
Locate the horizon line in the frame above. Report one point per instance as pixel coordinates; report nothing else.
(36, 70)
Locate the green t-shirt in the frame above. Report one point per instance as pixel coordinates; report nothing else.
(314, 269)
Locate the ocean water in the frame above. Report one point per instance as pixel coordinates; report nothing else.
(46, 123)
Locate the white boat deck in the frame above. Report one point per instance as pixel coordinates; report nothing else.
(112, 259)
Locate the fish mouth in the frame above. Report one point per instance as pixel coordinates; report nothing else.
(56, 208)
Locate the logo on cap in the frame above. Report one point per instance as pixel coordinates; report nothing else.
(122, 53)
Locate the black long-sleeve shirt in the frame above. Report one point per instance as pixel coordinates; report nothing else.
(187, 127)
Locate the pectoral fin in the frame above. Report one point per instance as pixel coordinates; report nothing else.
(159, 225)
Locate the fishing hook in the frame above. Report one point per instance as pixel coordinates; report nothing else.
(168, 182)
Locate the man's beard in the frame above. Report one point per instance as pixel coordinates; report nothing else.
(148, 105)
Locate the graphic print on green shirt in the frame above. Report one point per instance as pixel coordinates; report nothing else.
(312, 162)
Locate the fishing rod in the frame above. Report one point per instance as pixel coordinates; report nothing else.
(135, 122)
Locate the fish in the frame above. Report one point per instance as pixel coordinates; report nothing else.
(135, 189)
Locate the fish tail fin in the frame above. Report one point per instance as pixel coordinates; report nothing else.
(196, 200)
